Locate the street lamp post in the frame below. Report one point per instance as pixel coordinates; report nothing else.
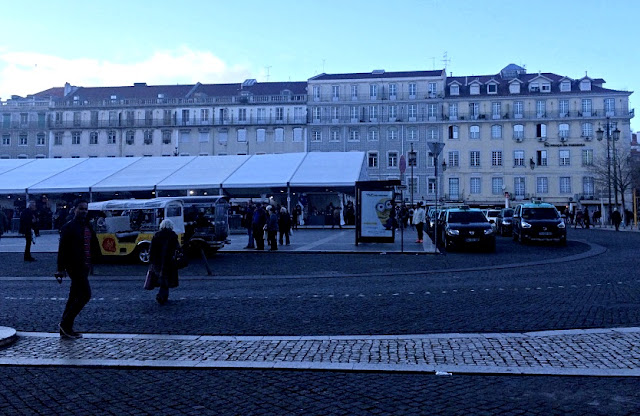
(436, 149)
(611, 136)
(412, 163)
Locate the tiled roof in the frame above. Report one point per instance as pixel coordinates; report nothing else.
(258, 88)
(378, 75)
(55, 92)
(503, 87)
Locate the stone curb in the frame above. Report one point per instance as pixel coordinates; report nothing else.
(593, 366)
(7, 336)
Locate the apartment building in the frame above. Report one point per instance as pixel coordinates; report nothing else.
(385, 114)
(171, 120)
(513, 133)
(24, 133)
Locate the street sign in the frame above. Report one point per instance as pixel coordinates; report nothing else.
(435, 147)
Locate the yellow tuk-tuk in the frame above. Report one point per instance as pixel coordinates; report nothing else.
(126, 227)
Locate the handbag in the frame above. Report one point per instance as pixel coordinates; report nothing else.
(151, 280)
(180, 259)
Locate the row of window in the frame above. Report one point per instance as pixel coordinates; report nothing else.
(376, 91)
(498, 186)
(586, 130)
(23, 139)
(541, 158)
(519, 186)
(499, 110)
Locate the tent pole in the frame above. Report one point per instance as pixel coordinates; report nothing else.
(288, 198)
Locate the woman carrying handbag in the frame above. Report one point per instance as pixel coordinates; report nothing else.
(162, 260)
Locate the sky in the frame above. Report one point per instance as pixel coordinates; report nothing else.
(118, 42)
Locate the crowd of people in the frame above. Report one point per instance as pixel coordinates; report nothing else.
(585, 219)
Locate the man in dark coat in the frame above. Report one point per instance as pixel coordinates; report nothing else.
(29, 222)
(248, 224)
(272, 228)
(284, 226)
(616, 218)
(258, 223)
(4, 222)
(78, 245)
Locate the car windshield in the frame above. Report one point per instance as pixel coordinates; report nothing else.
(539, 214)
(471, 216)
(493, 213)
(507, 213)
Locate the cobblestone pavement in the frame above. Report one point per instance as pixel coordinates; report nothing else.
(597, 352)
(107, 391)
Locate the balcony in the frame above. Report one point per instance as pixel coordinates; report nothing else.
(133, 102)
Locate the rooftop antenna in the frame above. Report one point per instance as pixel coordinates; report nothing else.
(268, 68)
(445, 61)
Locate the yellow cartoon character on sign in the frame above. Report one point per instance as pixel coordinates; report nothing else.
(383, 209)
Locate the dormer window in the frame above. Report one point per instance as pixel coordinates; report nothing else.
(514, 88)
(454, 89)
(474, 89)
(565, 86)
(492, 89)
(534, 87)
(585, 85)
(545, 87)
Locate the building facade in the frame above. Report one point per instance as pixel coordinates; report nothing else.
(186, 120)
(512, 134)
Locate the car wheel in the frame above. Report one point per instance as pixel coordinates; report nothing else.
(562, 241)
(144, 253)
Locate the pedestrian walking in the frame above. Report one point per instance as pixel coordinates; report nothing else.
(272, 228)
(4, 222)
(29, 227)
(419, 217)
(616, 218)
(297, 213)
(412, 212)
(284, 226)
(162, 259)
(258, 222)
(579, 220)
(586, 218)
(77, 249)
(337, 220)
(248, 224)
(596, 217)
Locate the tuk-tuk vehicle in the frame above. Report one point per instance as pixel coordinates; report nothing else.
(126, 227)
(206, 222)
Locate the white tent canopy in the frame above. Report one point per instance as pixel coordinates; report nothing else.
(18, 180)
(249, 173)
(143, 175)
(203, 172)
(83, 176)
(329, 169)
(263, 171)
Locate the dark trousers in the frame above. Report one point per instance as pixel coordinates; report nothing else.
(284, 234)
(258, 235)
(79, 295)
(273, 239)
(250, 233)
(27, 246)
(419, 227)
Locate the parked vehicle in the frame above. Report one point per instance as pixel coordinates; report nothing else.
(491, 215)
(504, 220)
(466, 227)
(126, 227)
(538, 221)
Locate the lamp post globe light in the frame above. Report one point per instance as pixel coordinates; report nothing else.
(612, 136)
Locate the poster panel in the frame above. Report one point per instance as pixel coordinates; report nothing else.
(376, 208)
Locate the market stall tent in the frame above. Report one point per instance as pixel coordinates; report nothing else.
(18, 180)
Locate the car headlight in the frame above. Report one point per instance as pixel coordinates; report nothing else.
(453, 232)
(525, 224)
(561, 224)
(506, 222)
(488, 231)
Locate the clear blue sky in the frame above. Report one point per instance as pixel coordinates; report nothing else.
(119, 42)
